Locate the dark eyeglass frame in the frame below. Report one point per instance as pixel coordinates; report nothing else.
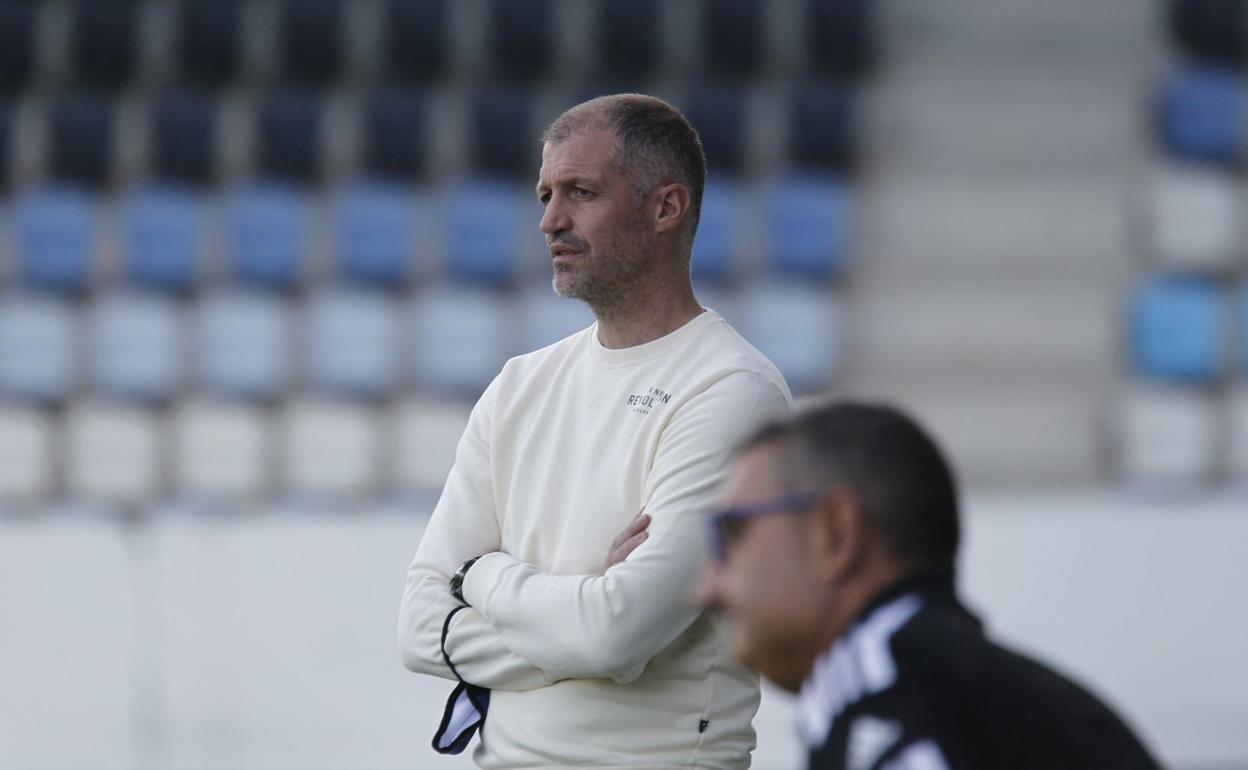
(723, 519)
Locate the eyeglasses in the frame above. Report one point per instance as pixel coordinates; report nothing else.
(728, 525)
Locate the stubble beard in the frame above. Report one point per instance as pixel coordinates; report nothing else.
(609, 280)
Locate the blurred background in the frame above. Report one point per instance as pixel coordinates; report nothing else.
(259, 257)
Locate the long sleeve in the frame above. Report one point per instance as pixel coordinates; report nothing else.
(463, 525)
(612, 624)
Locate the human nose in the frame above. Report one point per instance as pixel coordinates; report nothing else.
(554, 218)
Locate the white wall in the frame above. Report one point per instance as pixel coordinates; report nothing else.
(269, 641)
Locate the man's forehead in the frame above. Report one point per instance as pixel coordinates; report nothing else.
(751, 475)
(586, 149)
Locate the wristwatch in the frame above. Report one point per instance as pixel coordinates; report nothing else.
(457, 580)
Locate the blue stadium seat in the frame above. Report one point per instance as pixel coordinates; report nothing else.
(243, 344)
(414, 40)
(352, 343)
(37, 347)
(460, 340)
(394, 134)
(733, 32)
(183, 137)
(716, 250)
(1243, 336)
(164, 232)
(311, 33)
(18, 43)
(104, 41)
(289, 141)
(628, 38)
(520, 39)
(821, 126)
(1179, 329)
(809, 226)
(376, 228)
(796, 326)
(55, 237)
(486, 221)
(81, 138)
(717, 111)
(501, 133)
(1202, 115)
(135, 343)
(548, 318)
(840, 36)
(209, 40)
(266, 234)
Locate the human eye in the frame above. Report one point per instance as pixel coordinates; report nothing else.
(580, 193)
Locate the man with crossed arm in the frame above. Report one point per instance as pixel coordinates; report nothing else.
(577, 665)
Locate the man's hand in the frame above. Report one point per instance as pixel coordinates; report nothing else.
(627, 541)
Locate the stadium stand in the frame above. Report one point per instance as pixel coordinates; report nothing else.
(311, 34)
(1168, 436)
(520, 39)
(394, 134)
(8, 116)
(290, 136)
(26, 464)
(113, 454)
(38, 348)
(331, 450)
(484, 226)
(627, 38)
(1193, 220)
(1211, 30)
(460, 339)
(376, 232)
(733, 37)
(839, 36)
(717, 111)
(809, 219)
(771, 313)
(821, 126)
(267, 233)
(722, 227)
(547, 318)
(81, 134)
(183, 137)
(1202, 115)
(244, 342)
(352, 343)
(135, 344)
(55, 230)
(1180, 330)
(426, 433)
(222, 451)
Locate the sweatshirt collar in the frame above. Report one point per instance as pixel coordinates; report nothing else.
(612, 358)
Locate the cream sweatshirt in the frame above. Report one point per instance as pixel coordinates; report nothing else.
(564, 448)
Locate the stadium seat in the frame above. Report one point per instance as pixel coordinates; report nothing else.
(414, 42)
(460, 340)
(183, 137)
(135, 346)
(209, 40)
(289, 140)
(1243, 331)
(501, 133)
(394, 135)
(164, 232)
(426, 435)
(809, 226)
(520, 39)
(798, 328)
(1193, 218)
(81, 139)
(113, 454)
(311, 33)
(104, 41)
(733, 35)
(485, 224)
(331, 450)
(55, 237)
(717, 112)
(19, 50)
(1202, 115)
(1166, 436)
(26, 459)
(1180, 329)
(548, 318)
(628, 41)
(721, 231)
(266, 233)
(376, 227)
(352, 343)
(38, 351)
(1215, 31)
(840, 36)
(243, 344)
(821, 127)
(221, 451)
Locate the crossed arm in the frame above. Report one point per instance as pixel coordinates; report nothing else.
(526, 628)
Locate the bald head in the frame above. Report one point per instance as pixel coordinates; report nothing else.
(654, 144)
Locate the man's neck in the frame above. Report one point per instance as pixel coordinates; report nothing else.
(652, 314)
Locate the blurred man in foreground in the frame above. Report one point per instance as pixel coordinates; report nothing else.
(835, 563)
(584, 652)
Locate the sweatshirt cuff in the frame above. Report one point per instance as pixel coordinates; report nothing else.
(482, 576)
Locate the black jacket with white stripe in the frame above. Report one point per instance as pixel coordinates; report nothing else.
(915, 685)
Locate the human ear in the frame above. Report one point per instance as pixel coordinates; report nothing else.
(673, 207)
(839, 534)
